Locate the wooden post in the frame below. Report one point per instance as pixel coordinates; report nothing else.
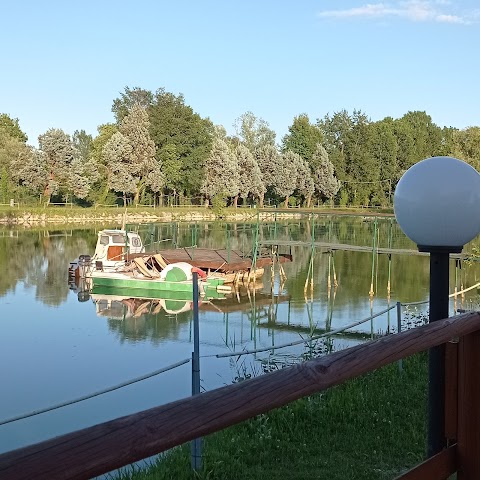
(451, 390)
(469, 407)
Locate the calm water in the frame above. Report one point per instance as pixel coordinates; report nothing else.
(55, 348)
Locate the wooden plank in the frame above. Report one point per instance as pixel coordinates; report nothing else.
(469, 407)
(102, 448)
(438, 467)
(451, 389)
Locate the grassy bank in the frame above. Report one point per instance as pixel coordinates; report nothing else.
(367, 429)
(27, 216)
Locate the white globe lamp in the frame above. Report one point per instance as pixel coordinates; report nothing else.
(437, 205)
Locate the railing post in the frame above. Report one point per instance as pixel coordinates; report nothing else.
(469, 407)
(451, 391)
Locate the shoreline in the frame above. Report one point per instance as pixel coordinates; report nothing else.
(81, 216)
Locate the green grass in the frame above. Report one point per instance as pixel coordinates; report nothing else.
(373, 427)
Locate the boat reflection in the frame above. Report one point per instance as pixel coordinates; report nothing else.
(120, 307)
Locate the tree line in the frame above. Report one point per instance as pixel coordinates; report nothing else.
(159, 147)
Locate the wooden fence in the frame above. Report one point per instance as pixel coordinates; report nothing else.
(107, 446)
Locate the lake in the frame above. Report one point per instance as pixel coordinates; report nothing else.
(58, 344)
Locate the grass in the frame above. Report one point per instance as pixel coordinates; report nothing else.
(370, 428)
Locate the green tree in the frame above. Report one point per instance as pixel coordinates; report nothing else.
(83, 142)
(12, 128)
(448, 141)
(132, 96)
(425, 139)
(12, 157)
(174, 123)
(466, 146)
(100, 190)
(385, 153)
(336, 130)
(348, 141)
(362, 168)
(171, 166)
(302, 137)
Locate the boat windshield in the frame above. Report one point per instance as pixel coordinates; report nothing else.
(118, 239)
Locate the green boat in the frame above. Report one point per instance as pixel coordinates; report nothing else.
(175, 280)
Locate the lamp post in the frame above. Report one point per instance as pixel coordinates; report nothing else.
(437, 205)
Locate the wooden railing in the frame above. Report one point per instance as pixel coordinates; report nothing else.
(104, 447)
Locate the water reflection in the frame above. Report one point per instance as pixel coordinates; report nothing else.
(60, 342)
(158, 319)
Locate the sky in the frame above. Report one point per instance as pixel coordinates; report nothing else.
(63, 62)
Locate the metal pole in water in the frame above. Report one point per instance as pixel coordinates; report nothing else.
(196, 445)
(399, 329)
(371, 293)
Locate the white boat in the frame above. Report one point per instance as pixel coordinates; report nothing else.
(120, 262)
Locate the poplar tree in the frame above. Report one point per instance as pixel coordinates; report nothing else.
(250, 176)
(254, 132)
(117, 156)
(222, 174)
(32, 172)
(142, 162)
(268, 160)
(59, 153)
(324, 178)
(305, 184)
(286, 180)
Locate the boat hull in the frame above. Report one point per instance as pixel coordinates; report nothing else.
(154, 287)
(127, 292)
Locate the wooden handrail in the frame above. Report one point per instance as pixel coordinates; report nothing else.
(438, 467)
(104, 447)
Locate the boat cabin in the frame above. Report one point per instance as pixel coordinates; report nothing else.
(112, 247)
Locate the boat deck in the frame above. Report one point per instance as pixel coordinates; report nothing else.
(220, 260)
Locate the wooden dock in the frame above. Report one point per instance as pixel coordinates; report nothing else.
(219, 260)
(330, 247)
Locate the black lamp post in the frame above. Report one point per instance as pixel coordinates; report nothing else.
(437, 205)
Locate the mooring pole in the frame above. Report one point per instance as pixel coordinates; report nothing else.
(196, 445)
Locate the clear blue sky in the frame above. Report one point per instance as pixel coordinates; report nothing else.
(63, 63)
